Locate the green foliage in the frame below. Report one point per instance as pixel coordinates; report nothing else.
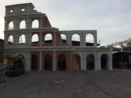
(116, 49)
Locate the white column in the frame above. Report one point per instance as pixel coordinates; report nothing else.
(41, 22)
(83, 62)
(28, 23)
(110, 64)
(99, 64)
(96, 64)
(69, 41)
(82, 42)
(95, 41)
(28, 61)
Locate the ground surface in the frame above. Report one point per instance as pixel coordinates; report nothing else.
(69, 84)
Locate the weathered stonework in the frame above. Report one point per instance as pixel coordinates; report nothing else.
(49, 54)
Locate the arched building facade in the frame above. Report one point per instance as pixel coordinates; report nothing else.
(27, 32)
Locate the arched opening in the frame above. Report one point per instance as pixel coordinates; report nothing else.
(75, 40)
(11, 25)
(90, 61)
(62, 62)
(10, 39)
(104, 61)
(22, 38)
(35, 23)
(22, 24)
(22, 9)
(34, 62)
(63, 36)
(77, 57)
(89, 40)
(47, 62)
(48, 38)
(35, 38)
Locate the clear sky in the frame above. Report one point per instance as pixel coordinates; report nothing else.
(111, 18)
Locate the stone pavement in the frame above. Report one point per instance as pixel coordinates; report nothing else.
(69, 84)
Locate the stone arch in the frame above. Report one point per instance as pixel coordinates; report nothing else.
(35, 38)
(78, 60)
(104, 61)
(22, 24)
(10, 39)
(89, 39)
(22, 38)
(61, 62)
(35, 23)
(48, 38)
(34, 62)
(63, 36)
(90, 61)
(47, 62)
(75, 40)
(11, 25)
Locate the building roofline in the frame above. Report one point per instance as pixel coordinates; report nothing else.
(19, 4)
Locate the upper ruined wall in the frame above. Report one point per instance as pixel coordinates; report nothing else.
(20, 9)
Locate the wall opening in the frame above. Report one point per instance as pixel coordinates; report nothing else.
(35, 38)
(47, 62)
(11, 25)
(104, 61)
(11, 11)
(22, 9)
(90, 61)
(22, 39)
(35, 23)
(89, 40)
(48, 38)
(34, 62)
(22, 24)
(62, 62)
(63, 36)
(10, 40)
(75, 40)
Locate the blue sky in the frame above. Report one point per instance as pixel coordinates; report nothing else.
(111, 18)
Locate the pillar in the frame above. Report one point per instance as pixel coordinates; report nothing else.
(95, 41)
(40, 61)
(54, 69)
(82, 42)
(41, 22)
(69, 41)
(40, 38)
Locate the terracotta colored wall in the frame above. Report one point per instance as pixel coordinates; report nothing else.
(43, 55)
(38, 55)
(71, 63)
(45, 22)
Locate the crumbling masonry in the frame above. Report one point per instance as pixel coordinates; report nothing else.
(54, 54)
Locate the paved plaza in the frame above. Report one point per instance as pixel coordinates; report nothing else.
(69, 84)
